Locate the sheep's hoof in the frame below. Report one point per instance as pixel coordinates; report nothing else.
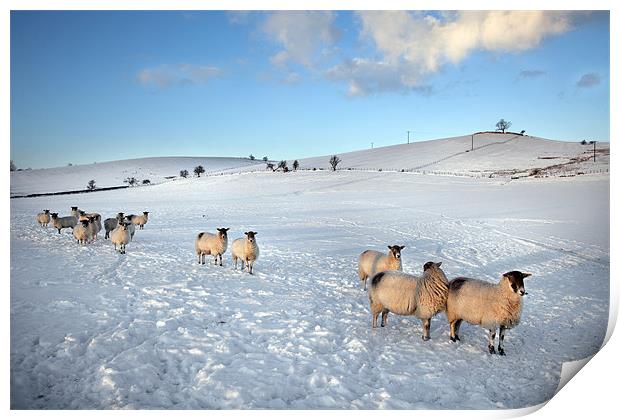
(426, 338)
(500, 351)
(492, 349)
(455, 339)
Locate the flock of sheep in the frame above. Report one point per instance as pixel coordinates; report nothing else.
(462, 299)
(478, 302)
(86, 226)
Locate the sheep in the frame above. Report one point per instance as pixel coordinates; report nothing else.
(44, 218)
(121, 237)
(63, 222)
(93, 226)
(487, 304)
(211, 244)
(82, 232)
(245, 249)
(406, 294)
(111, 223)
(131, 227)
(75, 212)
(140, 220)
(372, 262)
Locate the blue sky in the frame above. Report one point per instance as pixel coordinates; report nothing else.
(98, 86)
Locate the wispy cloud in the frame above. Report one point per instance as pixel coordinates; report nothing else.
(416, 45)
(589, 80)
(292, 78)
(303, 35)
(531, 74)
(168, 75)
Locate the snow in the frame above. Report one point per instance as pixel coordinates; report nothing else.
(151, 329)
(112, 174)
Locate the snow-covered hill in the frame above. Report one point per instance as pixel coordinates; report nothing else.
(110, 174)
(493, 154)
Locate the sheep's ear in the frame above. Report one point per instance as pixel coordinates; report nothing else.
(402, 247)
(526, 275)
(245, 233)
(438, 264)
(226, 229)
(390, 247)
(255, 233)
(427, 265)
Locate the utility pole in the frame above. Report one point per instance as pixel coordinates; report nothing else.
(472, 142)
(407, 136)
(594, 143)
(372, 145)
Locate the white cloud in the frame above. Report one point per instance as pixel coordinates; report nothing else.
(178, 74)
(415, 45)
(302, 34)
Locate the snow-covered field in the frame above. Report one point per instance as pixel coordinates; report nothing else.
(91, 328)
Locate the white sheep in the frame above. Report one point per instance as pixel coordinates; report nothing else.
(82, 232)
(140, 219)
(44, 218)
(120, 236)
(371, 262)
(406, 294)
(245, 249)
(111, 223)
(211, 244)
(490, 305)
(63, 222)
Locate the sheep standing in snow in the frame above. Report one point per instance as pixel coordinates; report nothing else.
(245, 249)
(211, 244)
(44, 218)
(487, 304)
(75, 212)
(130, 226)
(63, 222)
(140, 219)
(120, 237)
(372, 262)
(93, 226)
(111, 223)
(82, 232)
(405, 294)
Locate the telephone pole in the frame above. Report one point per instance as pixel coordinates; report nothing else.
(407, 136)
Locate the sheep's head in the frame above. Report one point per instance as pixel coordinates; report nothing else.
(515, 279)
(129, 217)
(395, 250)
(46, 211)
(81, 212)
(222, 232)
(85, 223)
(74, 208)
(54, 215)
(123, 226)
(433, 268)
(91, 219)
(251, 236)
(146, 213)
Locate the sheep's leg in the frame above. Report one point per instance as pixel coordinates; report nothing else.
(365, 278)
(375, 315)
(384, 315)
(454, 330)
(500, 345)
(492, 341)
(251, 266)
(426, 328)
(221, 262)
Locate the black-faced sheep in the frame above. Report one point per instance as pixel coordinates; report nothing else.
(44, 218)
(211, 244)
(63, 222)
(245, 249)
(490, 305)
(371, 262)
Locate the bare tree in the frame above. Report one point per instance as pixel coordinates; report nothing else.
(252, 157)
(91, 185)
(281, 164)
(334, 161)
(295, 165)
(184, 173)
(146, 182)
(13, 166)
(199, 170)
(131, 181)
(270, 166)
(265, 158)
(503, 125)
